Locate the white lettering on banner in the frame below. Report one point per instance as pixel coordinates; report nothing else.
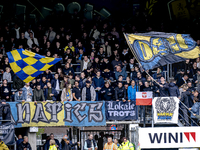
(121, 113)
(171, 137)
(120, 106)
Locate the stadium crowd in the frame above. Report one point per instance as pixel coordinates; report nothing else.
(96, 65)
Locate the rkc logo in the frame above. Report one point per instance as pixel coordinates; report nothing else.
(144, 94)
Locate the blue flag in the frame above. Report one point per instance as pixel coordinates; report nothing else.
(156, 49)
(28, 65)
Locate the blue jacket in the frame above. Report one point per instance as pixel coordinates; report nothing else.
(25, 92)
(43, 84)
(155, 75)
(69, 70)
(18, 98)
(98, 82)
(195, 109)
(173, 90)
(53, 83)
(53, 92)
(132, 93)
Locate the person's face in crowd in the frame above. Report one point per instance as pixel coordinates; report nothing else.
(1, 56)
(37, 49)
(85, 58)
(195, 65)
(57, 44)
(6, 59)
(198, 59)
(26, 140)
(28, 84)
(189, 84)
(38, 87)
(162, 79)
(92, 41)
(105, 59)
(70, 76)
(67, 65)
(92, 54)
(76, 84)
(84, 35)
(33, 81)
(89, 79)
(81, 51)
(94, 27)
(115, 141)
(44, 37)
(158, 70)
(1, 39)
(55, 55)
(132, 83)
(120, 78)
(125, 50)
(49, 85)
(146, 84)
(22, 35)
(48, 44)
(128, 79)
(8, 70)
(79, 44)
(185, 77)
(77, 78)
(68, 51)
(20, 92)
(101, 50)
(136, 69)
(106, 43)
(105, 26)
(120, 85)
(65, 79)
(5, 81)
(59, 70)
(118, 68)
(114, 29)
(50, 29)
(31, 35)
(62, 29)
(47, 71)
(91, 137)
(107, 85)
(139, 75)
(196, 94)
(44, 79)
(117, 45)
(67, 37)
(98, 74)
(131, 61)
(69, 86)
(115, 52)
(51, 136)
(125, 140)
(70, 44)
(69, 60)
(82, 75)
(96, 60)
(109, 140)
(56, 76)
(187, 61)
(87, 84)
(126, 86)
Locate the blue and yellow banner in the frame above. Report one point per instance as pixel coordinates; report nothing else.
(154, 49)
(74, 113)
(28, 65)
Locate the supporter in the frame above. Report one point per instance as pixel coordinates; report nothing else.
(134, 73)
(52, 145)
(98, 84)
(158, 74)
(66, 144)
(193, 70)
(196, 79)
(94, 33)
(195, 111)
(55, 82)
(128, 80)
(101, 54)
(24, 145)
(82, 80)
(88, 92)
(107, 49)
(110, 145)
(132, 89)
(5, 90)
(19, 96)
(120, 92)
(20, 139)
(70, 46)
(27, 33)
(32, 40)
(147, 88)
(116, 142)
(139, 78)
(3, 145)
(90, 143)
(50, 34)
(125, 57)
(43, 42)
(68, 69)
(116, 62)
(173, 89)
(179, 76)
(38, 94)
(50, 93)
(126, 145)
(76, 92)
(107, 92)
(91, 57)
(95, 66)
(6, 114)
(131, 65)
(163, 88)
(184, 100)
(47, 145)
(106, 69)
(58, 49)
(5, 64)
(115, 33)
(60, 74)
(183, 80)
(66, 93)
(43, 83)
(64, 82)
(22, 40)
(92, 47)
(71, 80)
(80, 47)
(28, 92)
(120, 71)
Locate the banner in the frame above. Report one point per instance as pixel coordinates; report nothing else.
(154, 49)
(7, 133)
(144, 98)
(169, 137)
(58, 114)
(121, 110)
(165, 110)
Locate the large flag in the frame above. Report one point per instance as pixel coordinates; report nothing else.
(165, 110)
(154, 49)
(144, 98)
(28, 65)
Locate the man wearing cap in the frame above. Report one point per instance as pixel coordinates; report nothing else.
(88, 92)
(19, 96)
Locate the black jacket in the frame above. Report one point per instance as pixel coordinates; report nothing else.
(173, 90)
(120, 93)
(107, 93)
(22, 146)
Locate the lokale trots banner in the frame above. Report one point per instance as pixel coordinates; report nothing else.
(165, 110)
(121, 110)
(74, 113)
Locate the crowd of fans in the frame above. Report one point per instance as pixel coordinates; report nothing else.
(96, 65)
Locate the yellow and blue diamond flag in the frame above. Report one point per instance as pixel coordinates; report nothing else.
(28, 65)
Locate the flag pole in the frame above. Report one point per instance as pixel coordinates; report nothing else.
(135, 55)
